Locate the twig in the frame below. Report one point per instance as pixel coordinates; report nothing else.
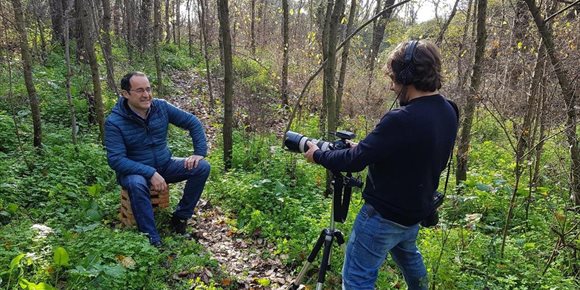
(562, 10)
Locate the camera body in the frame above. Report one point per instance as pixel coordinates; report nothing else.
(296, 142)
(432, 219)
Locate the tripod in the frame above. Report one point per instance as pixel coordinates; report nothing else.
(339, 209)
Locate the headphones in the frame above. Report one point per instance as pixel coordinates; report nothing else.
(405, 76)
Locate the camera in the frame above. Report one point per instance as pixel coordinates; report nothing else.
(296, 142)
(432, 219)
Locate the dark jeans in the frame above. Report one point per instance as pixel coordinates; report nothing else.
(138, 188)
(372, 237)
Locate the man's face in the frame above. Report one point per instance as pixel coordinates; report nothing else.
(139, 96)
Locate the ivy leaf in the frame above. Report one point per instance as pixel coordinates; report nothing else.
(61, 257)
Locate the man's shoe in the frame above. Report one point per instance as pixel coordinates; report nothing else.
(178, 225)
(157, 244)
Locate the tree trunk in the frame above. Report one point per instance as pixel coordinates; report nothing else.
(344, 60)
(228, 82)
(177, 22)
(88, 33)
(27, 71)
(189, 29)
(167, 24)
(117, 18)
(130, 28)
(284, 87)
(325, 29)
(378, 36)
(156, 37)
(569, 95)
(107, 48)
(56, 15)
(73, 116)
(253, 28)
(144, 32)
(469, 109)
(43, 49)
(205, 43)
(330, 69)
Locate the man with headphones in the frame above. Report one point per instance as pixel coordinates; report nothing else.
(406, 153)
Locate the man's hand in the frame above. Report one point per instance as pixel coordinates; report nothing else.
(352, 144)
(192, 161)
(158, 183)
(310, 153)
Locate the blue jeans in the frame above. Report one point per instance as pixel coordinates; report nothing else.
(372, 237)
(174, 171)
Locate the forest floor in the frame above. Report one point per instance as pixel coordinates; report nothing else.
(251, 261)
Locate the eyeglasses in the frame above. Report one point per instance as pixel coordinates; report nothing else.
(142, 90)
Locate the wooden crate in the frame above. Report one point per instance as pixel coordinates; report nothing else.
(158, 200)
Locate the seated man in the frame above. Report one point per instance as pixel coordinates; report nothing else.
(136, 142)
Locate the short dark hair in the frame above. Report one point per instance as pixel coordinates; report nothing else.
(126, 80)
(426, 65)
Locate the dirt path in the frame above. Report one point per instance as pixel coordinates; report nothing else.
(251, 262)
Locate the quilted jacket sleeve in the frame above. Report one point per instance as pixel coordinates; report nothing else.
(191, 123)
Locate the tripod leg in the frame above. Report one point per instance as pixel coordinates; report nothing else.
(309, 260)
(325, 263)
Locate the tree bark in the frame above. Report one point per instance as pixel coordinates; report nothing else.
(344, 60)
(570, 96)
(167, 23)
(130, 28)
(325, 29)
(177, 22)
(228, 82)
(27, 71)
(284, 86)
(253, 28)
(205, 44)
(56, 17)
(330, 71)
(88, 33)
(73, 116)
(469, 109)
(189, 29)
(144, 29)
(107, 48)
(156, 37)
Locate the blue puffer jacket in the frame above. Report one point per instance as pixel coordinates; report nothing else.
(137, 146)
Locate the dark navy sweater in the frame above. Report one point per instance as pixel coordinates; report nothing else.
(406, 153)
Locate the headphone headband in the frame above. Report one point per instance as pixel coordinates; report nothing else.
(405, 76)
(410, 51)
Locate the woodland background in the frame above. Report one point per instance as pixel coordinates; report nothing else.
(250, 70)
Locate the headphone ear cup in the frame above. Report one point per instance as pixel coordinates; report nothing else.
(405, 76)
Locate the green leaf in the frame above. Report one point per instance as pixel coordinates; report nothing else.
(15, 262)
(264, 282)
(61, 257)
(40, 286)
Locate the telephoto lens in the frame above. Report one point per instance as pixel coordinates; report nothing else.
(296, 142)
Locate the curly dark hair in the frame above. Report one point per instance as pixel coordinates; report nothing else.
(425, 65)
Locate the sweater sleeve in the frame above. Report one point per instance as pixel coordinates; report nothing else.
(378, 145)
(191, 123)
(117, 154)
